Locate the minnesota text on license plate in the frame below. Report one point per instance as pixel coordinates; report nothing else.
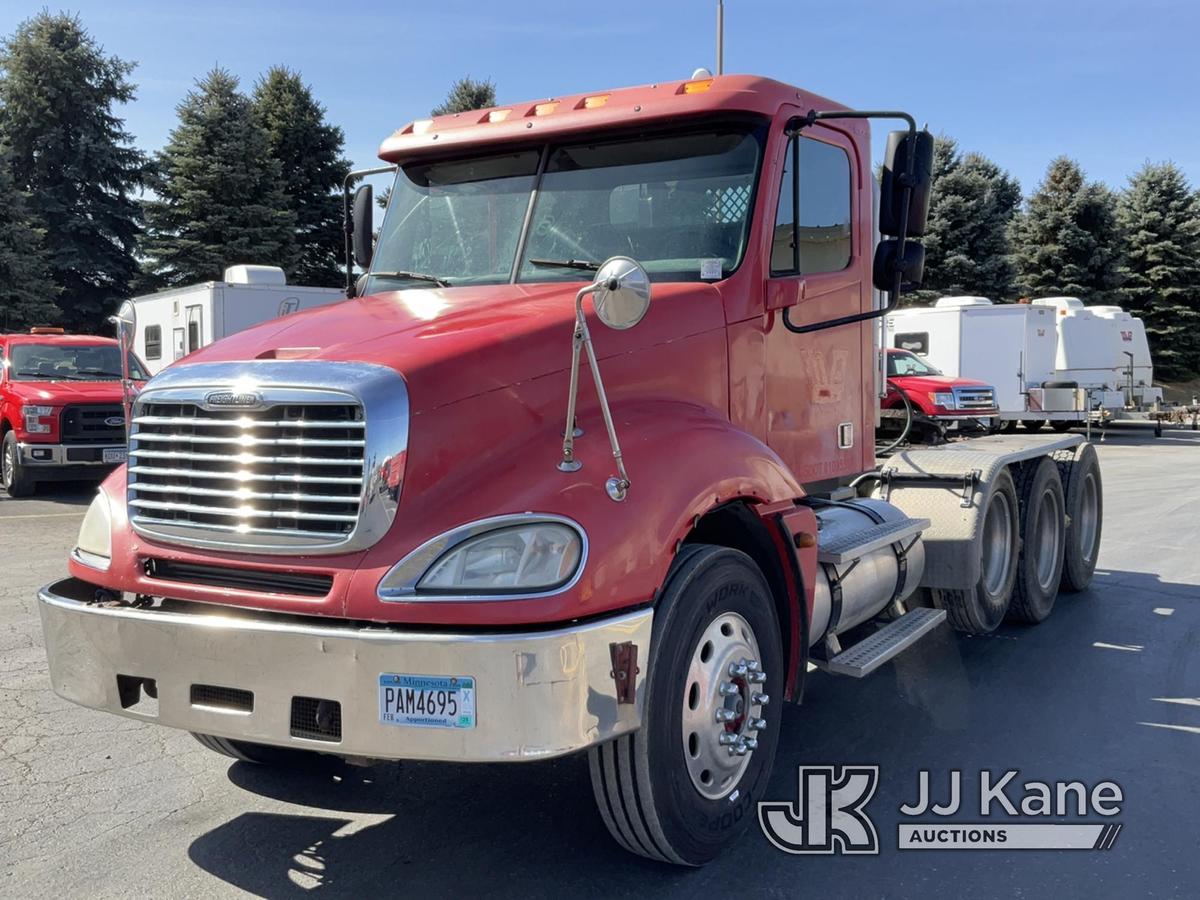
(427, 701)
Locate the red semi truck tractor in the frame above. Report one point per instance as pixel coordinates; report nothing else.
(586, 466)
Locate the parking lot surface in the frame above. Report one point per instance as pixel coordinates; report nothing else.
(1107, 689)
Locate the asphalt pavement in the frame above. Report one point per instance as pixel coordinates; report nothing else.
(1107, 689)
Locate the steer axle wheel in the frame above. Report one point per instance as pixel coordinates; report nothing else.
(260, 754)
(16, 476)
(685, 785)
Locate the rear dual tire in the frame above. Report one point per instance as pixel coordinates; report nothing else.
(1043, 539)
(673, 791)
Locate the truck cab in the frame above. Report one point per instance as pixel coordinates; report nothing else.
(61, 414)
(586, 465)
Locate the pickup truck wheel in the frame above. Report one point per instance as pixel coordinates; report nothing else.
(16, 476)
(1080, 474)
(1032, 424)
(686, 785)
(1043, 537)
(259, 754)
(981, 609)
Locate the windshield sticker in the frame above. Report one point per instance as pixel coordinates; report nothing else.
(710, 268)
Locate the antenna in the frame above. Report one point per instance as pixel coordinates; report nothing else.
(720, 37)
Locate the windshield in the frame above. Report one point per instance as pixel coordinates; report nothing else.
(81, 362)
(678, 203)
(908, 364)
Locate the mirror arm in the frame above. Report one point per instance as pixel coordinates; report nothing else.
(907, 180)
(618, 486)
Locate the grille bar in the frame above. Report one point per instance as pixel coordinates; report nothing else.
(242, 476)
(239, 530)
(244, 494)
(245, 422)
(248, 440)
(243, 512)
(244, 458)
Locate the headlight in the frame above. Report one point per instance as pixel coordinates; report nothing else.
(509, 557)
(945, 400)
(94, 547)
(33, 416)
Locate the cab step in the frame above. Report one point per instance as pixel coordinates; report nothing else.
(889, 641)
(858, 544)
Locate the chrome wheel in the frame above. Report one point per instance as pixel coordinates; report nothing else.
(1088, 519)
(997, 543)
(723, 705)
(1048, 542)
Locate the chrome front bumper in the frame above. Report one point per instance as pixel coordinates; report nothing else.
(60, 454)
(539, 694)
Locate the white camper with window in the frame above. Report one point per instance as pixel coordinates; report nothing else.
(171, 324)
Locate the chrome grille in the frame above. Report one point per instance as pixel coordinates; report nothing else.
(293, 469)
(975, 398)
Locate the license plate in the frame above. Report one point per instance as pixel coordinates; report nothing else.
(427, 701)
(114, 454)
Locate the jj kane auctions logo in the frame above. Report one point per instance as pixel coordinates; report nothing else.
(830, 814)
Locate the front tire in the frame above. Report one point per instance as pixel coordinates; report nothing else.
(259, 754)
(15, 475)
(685, 786)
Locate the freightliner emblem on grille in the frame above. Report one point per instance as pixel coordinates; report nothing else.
(233, 399)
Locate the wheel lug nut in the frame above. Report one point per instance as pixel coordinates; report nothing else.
(728, 690)
(750, 743)
(756, 724)
(725, 715)
(727, 738)
(760, 699)
(740, 748)
(738, 670)
(757, 677)
(754, 666)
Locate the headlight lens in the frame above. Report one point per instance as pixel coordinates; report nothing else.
(945, 400)
(94, 547)
(33, 416)
(535, 557)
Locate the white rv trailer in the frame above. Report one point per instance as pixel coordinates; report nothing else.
(1052, 359)
(172, 324)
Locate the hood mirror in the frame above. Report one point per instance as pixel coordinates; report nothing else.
(622, 292)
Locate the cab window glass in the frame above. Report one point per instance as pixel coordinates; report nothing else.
(812, 222)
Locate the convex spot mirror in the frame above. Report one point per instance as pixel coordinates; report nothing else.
(891, 194)
(364, 225)
(621, 292)
(887, 261)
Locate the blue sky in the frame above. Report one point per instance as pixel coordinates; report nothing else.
(1110, 82)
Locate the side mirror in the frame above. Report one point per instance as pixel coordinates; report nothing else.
(364, 225)
(621, 292)
(126, 322)
(900, 146)
(887, 262)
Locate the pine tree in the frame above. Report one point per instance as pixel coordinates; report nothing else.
(966, 241)
(465, 95)
(220, 194)
(309, 152)
(73, 159)
(1159, 215)
(26, 291)
(1066, 242)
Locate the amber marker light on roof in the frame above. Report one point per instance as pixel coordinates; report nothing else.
(544, 109)
(595, 101)
(498, 115)
(697, 87)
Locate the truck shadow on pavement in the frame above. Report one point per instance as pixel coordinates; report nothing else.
(1023, 697)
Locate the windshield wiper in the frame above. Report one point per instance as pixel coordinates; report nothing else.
(415, 276)
(567, 263)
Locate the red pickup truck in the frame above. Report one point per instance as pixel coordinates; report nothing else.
(934, 397)
(61, 414)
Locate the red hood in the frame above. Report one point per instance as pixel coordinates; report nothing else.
(57, 393)
(934, 382)
(455, 343)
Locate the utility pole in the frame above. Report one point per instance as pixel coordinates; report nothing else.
(720, 37)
